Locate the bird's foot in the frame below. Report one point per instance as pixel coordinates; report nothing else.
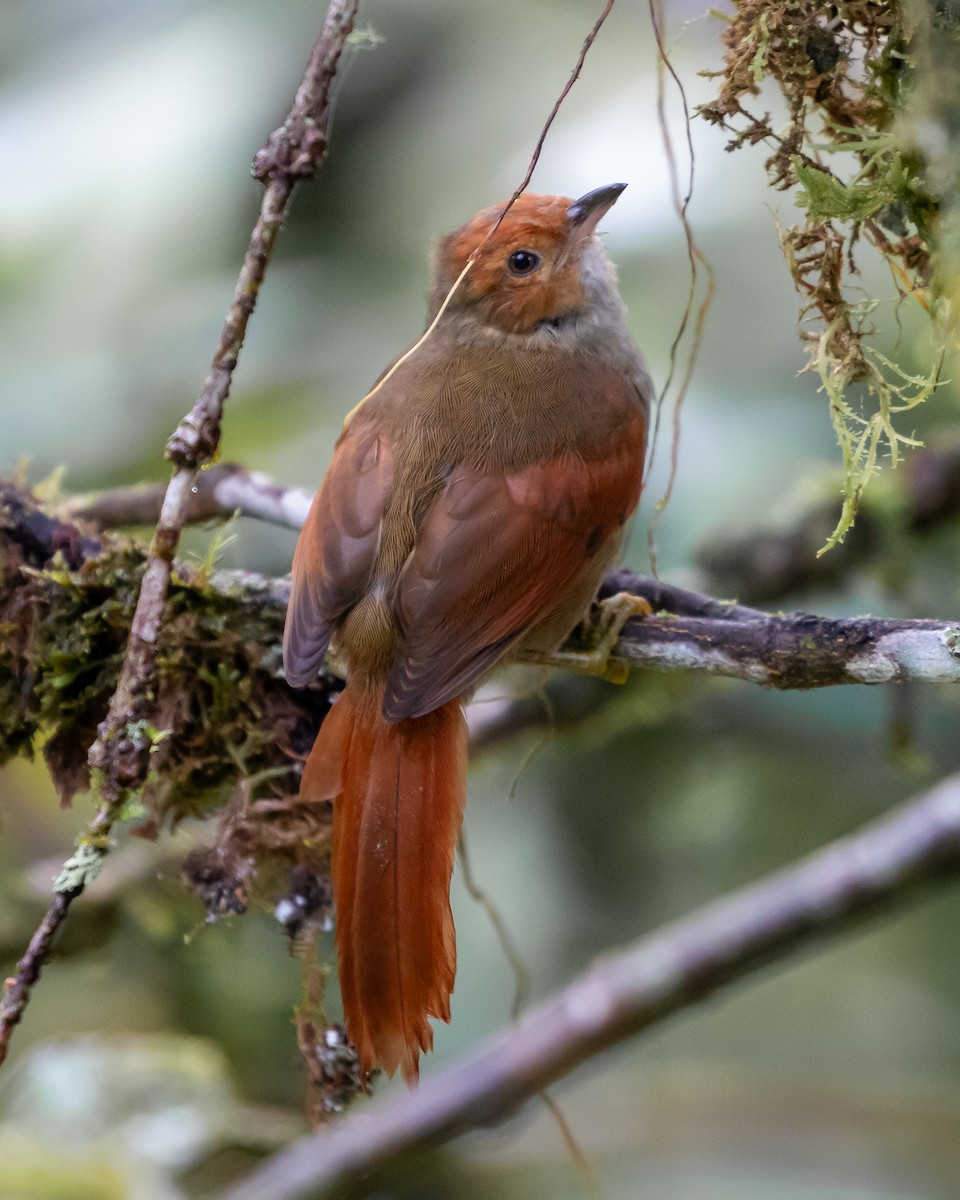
(599, 632)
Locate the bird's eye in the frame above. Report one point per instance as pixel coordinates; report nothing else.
(523, 262)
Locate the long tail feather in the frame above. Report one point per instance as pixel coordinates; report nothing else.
(399, 792)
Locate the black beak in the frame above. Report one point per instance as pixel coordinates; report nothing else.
(586, 213)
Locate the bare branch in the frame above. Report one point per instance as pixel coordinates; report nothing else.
(627, 992)
(219, 491)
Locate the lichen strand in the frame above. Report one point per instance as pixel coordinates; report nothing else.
(848, 76)
(226, 734)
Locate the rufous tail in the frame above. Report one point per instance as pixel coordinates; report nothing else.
(398, 794)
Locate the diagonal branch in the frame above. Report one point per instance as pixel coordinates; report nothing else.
(121, 752)
(293, 152)
(625, 993)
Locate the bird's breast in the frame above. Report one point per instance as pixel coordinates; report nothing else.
(503, 409)
(489, 411)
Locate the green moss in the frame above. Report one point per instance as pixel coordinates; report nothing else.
(222, 716)
(825, 197)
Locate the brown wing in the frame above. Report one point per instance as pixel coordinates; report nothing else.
(495, 555)
(338, 544)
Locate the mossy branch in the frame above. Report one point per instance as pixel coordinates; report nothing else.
(223, 714)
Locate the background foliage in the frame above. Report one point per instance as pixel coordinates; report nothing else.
(132, 125)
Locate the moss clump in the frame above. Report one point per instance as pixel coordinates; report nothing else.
(226, 733)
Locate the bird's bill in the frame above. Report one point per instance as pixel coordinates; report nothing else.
(586, 213)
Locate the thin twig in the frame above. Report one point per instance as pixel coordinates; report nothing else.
(521, 985)
(31, 964)
(661, 974)
(582, 1164)
(474, 254)
(292, 153)
(508, 947)
(696, 259)
(122, 749)
(538, 148)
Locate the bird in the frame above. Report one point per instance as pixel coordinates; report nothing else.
(474, 500)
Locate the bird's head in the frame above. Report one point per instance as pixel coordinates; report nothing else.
(541, 268)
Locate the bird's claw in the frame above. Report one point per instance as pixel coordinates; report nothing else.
(600, 631)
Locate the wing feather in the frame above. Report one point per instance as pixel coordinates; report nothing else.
(337, 549)
(494, 556)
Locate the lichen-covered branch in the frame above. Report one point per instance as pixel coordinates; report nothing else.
(627, 992)
(129, 735)
(782, 650)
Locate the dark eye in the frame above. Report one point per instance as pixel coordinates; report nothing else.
(522, 262)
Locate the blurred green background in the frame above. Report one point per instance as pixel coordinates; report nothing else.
(127, 127)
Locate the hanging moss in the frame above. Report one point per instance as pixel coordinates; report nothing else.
(859, 81)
